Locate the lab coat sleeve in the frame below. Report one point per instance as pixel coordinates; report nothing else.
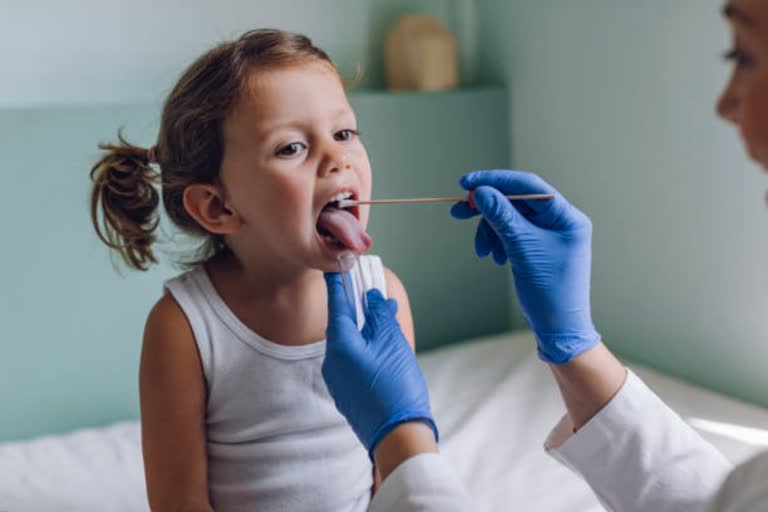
(424, 483)
(745, 489)
(638, 455)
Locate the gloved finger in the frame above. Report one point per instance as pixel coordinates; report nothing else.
(340, 311)
(499, 213)
(462, 210)
(507, 182)
(380, 314)
(378, 305)
(499, 255)
(374, 296)
(519, 182)
(380, 310)
(485, 239)
(523, 207)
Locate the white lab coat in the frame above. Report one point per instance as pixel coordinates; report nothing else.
(636, 454)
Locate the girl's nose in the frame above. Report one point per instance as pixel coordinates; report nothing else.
(334, 162)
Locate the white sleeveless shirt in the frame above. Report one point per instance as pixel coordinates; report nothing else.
(275, 440)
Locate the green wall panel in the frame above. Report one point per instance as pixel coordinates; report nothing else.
(72, 325)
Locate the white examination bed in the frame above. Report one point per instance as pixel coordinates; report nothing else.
(494, 403)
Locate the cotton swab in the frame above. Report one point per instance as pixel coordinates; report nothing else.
(345, 203)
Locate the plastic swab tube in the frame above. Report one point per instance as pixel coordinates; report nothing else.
(351, 271)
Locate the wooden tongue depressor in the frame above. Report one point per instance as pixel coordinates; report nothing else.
(344, 203)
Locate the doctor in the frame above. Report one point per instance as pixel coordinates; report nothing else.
(635, 453)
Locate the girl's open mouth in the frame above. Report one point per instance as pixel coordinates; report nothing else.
(340, 227)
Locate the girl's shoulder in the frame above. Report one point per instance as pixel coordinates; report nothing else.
(377, 275)
(172, 391)
(371, 271)
(169, 356)
(166, 311)
(177, 315)
(167, 328)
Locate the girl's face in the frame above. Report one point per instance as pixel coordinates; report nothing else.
(744, 101)
(291, 145)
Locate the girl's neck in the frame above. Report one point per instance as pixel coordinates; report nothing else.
(270, 302)
(257, 281)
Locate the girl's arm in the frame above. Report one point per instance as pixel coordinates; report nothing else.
(396, 290)
(173, 396)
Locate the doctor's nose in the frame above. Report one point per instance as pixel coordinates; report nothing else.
(728, 104)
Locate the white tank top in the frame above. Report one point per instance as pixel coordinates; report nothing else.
(274, 437)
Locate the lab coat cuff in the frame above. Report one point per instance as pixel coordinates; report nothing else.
(629, 403)
(426, 480)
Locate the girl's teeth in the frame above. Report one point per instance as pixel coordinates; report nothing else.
(341, 196)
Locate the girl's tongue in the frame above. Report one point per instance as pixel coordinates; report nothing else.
(345, 228)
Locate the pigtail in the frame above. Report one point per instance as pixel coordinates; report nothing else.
(124, 185)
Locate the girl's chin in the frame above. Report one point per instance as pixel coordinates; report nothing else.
(326, 264)
(328, 267)
(326, 258)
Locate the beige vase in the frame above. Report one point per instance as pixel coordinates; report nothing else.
(421, 55)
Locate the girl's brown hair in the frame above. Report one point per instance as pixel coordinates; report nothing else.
(189, 146)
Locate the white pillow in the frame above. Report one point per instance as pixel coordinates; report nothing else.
(88, 470)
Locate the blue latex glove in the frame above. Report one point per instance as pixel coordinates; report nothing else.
(548, 244)
(372, 375)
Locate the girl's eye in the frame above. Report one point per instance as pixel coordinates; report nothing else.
(345, 135)
(291, 149)
(739, 57)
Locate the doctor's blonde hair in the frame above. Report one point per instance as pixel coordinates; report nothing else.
(189, 146)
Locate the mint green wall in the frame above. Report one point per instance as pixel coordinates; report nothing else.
(133, 52)
(72, 326)
(419, 146)
(613, 102)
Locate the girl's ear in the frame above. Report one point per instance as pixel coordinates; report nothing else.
(205, 203)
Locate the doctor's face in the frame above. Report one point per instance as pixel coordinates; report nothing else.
(744, 101)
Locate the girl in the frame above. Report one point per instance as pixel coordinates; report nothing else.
(257, 141)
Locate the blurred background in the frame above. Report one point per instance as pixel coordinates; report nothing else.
(612, 101)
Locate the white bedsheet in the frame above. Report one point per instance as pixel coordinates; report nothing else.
(86, 471)
(495, 403)
(493, 400)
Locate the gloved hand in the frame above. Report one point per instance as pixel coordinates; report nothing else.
(548, 244)
(372, 375)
